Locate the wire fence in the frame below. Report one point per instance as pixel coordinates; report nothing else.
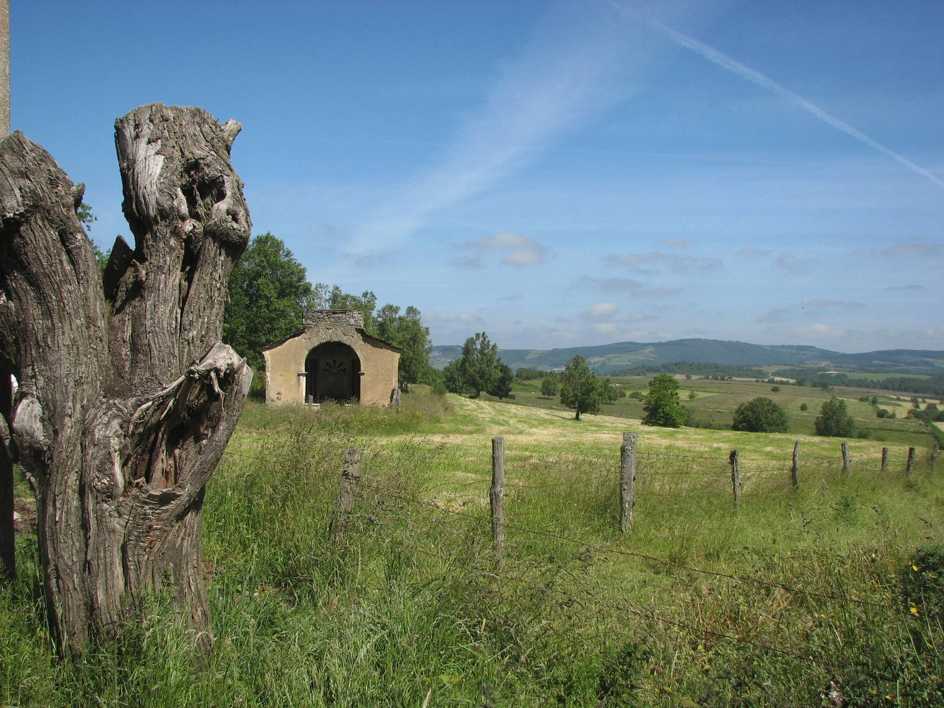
(647, 473)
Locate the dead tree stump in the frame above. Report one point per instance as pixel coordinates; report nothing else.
(127, 398)
(350, 479)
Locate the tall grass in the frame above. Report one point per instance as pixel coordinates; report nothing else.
(410, 604)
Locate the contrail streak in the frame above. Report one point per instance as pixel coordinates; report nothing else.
(755, 77)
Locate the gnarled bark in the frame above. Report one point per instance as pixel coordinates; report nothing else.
(127, 398)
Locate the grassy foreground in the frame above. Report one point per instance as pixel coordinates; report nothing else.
(799, 597)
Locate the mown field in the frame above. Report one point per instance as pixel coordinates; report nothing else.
(797, 597)
(714, 404)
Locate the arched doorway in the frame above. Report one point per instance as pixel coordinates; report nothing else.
(332, 372)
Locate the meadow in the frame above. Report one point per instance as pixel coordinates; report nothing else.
(797, 597)
(714, 404)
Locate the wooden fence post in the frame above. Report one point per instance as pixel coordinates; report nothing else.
(496, 496)
(845, 456)
(350, 478)
(627, 481)
(909, 463)
(735, 476)
(884, 459)
(795, 466)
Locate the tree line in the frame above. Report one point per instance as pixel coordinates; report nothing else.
(479, 368)
(931, 385)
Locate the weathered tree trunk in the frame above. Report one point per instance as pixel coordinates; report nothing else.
(7, 542)
(127, 397)
(7, 538)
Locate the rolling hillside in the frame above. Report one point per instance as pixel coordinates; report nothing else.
(620, 356)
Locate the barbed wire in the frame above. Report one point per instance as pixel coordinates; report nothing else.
(648, 613)
(608, 548)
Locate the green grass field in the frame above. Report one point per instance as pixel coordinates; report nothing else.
(794, 594)
(715, 402)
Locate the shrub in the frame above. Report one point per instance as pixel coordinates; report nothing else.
(549, 387)
(834, 419)
(775, 389)
(804, 407)
(760, 415)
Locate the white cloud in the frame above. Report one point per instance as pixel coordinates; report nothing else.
(514, 249)
(629, 286)
(656, 261)
(602, 309)
(607, 328)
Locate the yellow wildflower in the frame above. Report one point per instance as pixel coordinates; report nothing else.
(914, 567)
(914, 611)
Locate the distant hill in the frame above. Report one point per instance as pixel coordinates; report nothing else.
(621, 356)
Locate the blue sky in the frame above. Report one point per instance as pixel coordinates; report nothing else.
(555, 173)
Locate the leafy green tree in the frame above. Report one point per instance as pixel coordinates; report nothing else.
(268, 296)
(87, 217)
(549, 387)
(662, 405)
(608, 392)
(479, 365)
(580, 388)
(834, 419)
(452, 377)
(761, 415)
(365, 303)
(407, 332)
(502, 387)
